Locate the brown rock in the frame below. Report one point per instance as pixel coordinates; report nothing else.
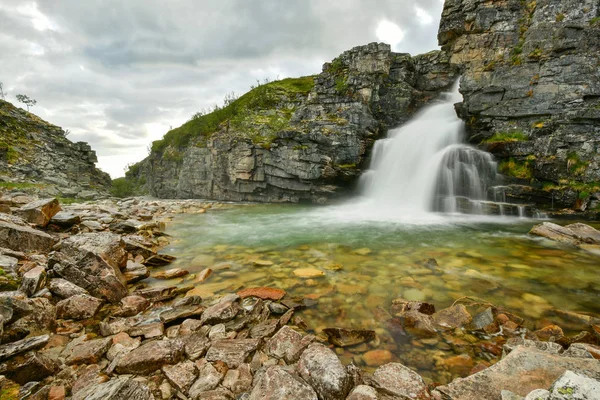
(151, 356)
(555, 232)
(148, 330)
(264, 293)
(88, 352)
(23, 238)
(64, 289)
(348, 337)
(375, 358)
(401, 305)
(81, 306)
(33, 280)
(171, 273)
(416, 323)
(135, 272)
(287, 344)
(39, 212)
(181, 375)
(459, 365)
(238, 380)
(57, 393)
(181, 312)
(279, 384)
(550, 333)
(204, 275)
(453, 317)
(233, 352)
(225, 310)
(27, 367)
(208, 379)
(131, 305)
(363, 392)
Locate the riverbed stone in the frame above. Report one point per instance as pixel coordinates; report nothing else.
(135, 272)
(181, 312)
(265, 293)
(64, 289)
(277, 383)
(308, 272)
(453, 317)
(378, 357)
(348, 337)
(321, 368)
(232, 352)
(131, 305)
(81, 306)
(287, 344)
(401, 381)
(151, 356)
(181, 375)
(522, 371)
(225, 310)
(39, 212)
(171, 273)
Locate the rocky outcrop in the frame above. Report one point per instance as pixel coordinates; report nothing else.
(293, 144)
(37, 156)
(531, 87)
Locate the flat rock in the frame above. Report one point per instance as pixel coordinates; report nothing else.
(265, 293)
(181, 375)
(196, 345)
(151, 356)
(522, 371)
(572, 386)
(65, 219)
(65, 289)
(348, 337)
(556, 233)
(23, 238)
(308, 273)
(264, 329)
(277, 383)
(31, 343)
(158, 293)
(232, 352)
(321, 368)
(159, 260)
(39, 212)
(181, 312)
(81, 306)
(88, 352)
(585, 233)
(377, 357)
(225, 310)
(401, 381)
(116, 389)
(452, 317)
(171, 273)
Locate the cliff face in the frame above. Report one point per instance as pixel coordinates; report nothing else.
(531, 86)
(300, 145)
(37, 155)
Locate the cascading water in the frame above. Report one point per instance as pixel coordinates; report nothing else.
(424, 166)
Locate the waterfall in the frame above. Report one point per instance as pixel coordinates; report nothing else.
(424, 166)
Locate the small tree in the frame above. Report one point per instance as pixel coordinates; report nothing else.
(2, 91)
(26, 100)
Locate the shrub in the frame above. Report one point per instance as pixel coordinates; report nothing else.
(123, 187)
(501, 137)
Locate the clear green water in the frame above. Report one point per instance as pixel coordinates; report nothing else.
(368, 262)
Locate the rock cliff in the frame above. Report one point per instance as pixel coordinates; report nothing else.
(300, 139)
(531, 87)
(36, 155)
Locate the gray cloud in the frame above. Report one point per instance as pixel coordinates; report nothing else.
(118, 74)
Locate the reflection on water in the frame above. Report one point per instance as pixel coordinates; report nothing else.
(369, 260)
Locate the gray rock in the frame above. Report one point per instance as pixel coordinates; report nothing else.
(31, 343)
(238, 380)
(65, 289)
(87, 352)
(287, 344)
(8, 263)
(131, 305)
(151, 356)
(208, 379)
(363, 392)
(39, 212)
(181, 375)
(33, 280)
(28, 367)
(538, 394)
(24, 238)
(232, 352)
(225, 310)
(277, 383)
(508, 395)
(321, 368)
(116, 389)
(574, 386)
(181, 312)
(81, 306)
(401, 381)
(65, 219)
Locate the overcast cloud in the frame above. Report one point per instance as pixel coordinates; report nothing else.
(118, 73)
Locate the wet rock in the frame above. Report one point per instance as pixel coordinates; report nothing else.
(485, 321)
(208, 379)
(65, 289)
(225, 310)
(375, 358)
(171, 273)
(204, 275)
(27, 367)
(549, 333)
(263, 263)
(81, 306)
(348, 337)
(131, 305)
(33, 280)
(402, 305)
(523, 370)
(188, 301)
(238, 380)
(460, 364)
(585, 233)
(65, 219)
(159, 260)
(181, 312)
(151, 356)
(571, 385)
(181, 375)
(24, 238)
(277, 383)
(453, 317)
(556, 233)
(116, 389)
(158, 293)
(88, 352)
(321, 368)
(548, 347)
(287, 344)
(264, 293)
(398, 380)
(277, 308)
(39, 212)
(308, 273)
(31, 343)
(135, 272)
(416, 323)
(233, 352)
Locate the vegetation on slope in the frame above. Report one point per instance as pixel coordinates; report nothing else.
(267, 102)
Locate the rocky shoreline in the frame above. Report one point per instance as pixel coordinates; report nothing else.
(78, 321)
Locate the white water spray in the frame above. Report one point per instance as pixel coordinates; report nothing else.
(424, 166)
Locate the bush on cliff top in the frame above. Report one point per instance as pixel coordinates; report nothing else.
(260, 97)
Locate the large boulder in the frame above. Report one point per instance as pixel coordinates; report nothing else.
(24, 238)
(93, 261)
(39, 212)
(322, 369)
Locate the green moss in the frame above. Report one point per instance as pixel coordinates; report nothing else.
(346, 166)
(263, 97)
(595, 21)
(341, 84)
(67, 200)
(576, 165)
(20, 185)
(490, 66)
(517, 169)
(9, 391)
(560, 17)
(536, 54)
(501, 137)
(566, 390)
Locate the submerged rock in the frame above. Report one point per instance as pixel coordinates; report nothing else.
(348, 337)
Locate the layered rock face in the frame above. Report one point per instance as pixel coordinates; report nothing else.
(531, 87)
(36, 153)
(319, 143)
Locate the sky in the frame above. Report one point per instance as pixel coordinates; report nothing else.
(119, 74)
